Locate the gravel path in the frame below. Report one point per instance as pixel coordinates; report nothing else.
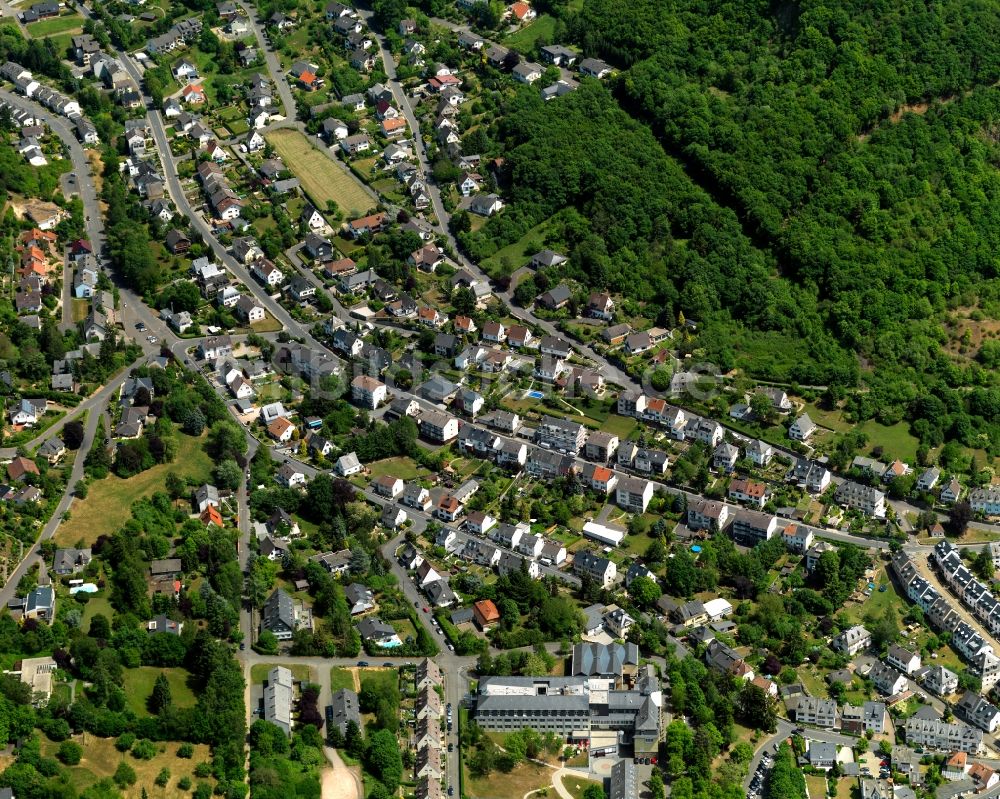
(339, 781)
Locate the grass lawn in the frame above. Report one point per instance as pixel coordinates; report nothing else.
(258, 672)
(621, 426)
(341, 678)
(816, 785)
(513, 785)
(321, 179)
(879, 600)
(846, 788)
(61, 42)
(402, 467)
(47, 27)
(405, 628)
(520, 252)
(577, 785)
(98, 603)
(139, 685)
(524, 40)
(100, 759)
(80, 309)
(380, 680)
(108, 505)
(269, 325)
(896, 440)
(832, 419)
(813, 681)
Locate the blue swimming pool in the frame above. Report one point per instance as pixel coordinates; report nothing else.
(535, 394)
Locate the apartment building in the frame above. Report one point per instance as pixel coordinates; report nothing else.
(561, 435)
(868, 500)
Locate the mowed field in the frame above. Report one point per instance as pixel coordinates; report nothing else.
(109, 502)
(139, 685)
(321, 179)
(100, 759)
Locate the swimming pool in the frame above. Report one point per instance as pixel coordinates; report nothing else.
(535, 394)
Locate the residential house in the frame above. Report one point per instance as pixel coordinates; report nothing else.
(802, 428)
(601, 569)
(852, 641)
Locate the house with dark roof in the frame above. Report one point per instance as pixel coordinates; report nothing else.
(280, 615)
(345, 710)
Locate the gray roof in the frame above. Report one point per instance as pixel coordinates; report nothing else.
(822, 752)
(345, 709)
(595, 660)
(70, 559)
(41, 598)
(372, 628)
(532, 702)
(278, 613)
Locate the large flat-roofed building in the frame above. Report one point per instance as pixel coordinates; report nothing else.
(37, 674)
(561, 434)
(573, 707)
(563, 714)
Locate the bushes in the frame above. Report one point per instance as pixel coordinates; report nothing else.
(70, 753)
(124, 775)
(144, 750)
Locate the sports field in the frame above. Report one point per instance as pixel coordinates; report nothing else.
(321, 178)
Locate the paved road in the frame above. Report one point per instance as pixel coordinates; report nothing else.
(924, 568)
(93, 220)
(403, 101)
(76, 474)
(59, 125)
(271, 59)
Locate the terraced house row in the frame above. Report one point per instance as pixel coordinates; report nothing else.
(940, 610)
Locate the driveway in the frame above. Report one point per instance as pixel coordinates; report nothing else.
(340, 781)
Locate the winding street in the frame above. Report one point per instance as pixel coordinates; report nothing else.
(454, 667)
(271, 60)
(76, 474)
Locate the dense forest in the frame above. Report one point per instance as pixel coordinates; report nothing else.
(815, 185)
(771, 106)
(643, 227)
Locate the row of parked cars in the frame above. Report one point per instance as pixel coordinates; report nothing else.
(757, 783)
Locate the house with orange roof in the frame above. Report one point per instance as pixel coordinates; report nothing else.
(19, 467)
(34, 267)
(485, 614)
(956, 767)
(308, 80)
(463, 324)
(430, 316)
(766, 686)
(896, 469)
(39, 238)
(521, 11)
(211, 516)
(448, 508)
(193, 94)
(367, 224)
(281, 429)
(393, 127)
(599, 478)
(983, 776)
(749, 492)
